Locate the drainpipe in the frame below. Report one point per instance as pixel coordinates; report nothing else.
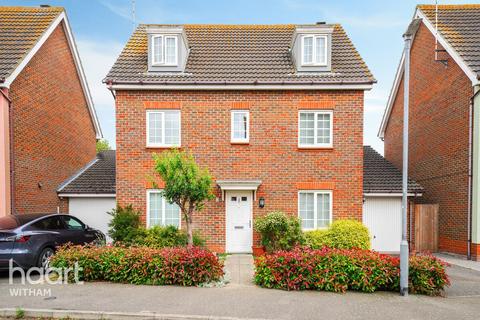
(470, 173)
(404, 250)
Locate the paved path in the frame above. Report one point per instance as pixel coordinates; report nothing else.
(460, 261)
(246, 301)
(239, 269)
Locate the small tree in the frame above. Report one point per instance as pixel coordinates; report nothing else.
(103, 145)
(186, 184)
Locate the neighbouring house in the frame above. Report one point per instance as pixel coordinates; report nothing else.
(444, 120)
(274, 111)
(91, 191)
(48, 126)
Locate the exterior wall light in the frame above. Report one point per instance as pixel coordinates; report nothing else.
(261, 202)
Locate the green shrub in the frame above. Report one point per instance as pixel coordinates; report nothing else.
(141, 265)
(427, 275)
(342, 234)
(161, 237)
(279, 231)
(125, 224)
(339, 270)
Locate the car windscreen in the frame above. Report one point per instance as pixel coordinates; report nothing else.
(8, 223)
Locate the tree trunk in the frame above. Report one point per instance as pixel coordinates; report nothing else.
(189, 231)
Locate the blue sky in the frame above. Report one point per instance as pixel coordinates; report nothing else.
(102, 27)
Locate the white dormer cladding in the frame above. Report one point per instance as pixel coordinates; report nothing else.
(167, 49)
(312, 48)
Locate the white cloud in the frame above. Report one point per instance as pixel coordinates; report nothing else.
(97, 59)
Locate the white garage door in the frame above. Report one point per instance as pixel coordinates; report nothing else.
(93, 211)
(383, 217)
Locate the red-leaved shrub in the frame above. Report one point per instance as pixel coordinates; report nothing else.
(142, 265)
(340, 270)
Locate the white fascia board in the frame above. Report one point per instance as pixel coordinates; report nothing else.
(391, 97)
(241, 87)
(444, 43)
(391, 194)
(76, 58)
(87, 195)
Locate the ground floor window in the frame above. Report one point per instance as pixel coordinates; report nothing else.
(315, 209)
(160, 212)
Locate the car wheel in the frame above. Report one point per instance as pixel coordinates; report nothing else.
(44, 258)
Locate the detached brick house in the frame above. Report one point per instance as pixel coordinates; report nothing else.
(48, 126)
(274, 111)
(444, 119)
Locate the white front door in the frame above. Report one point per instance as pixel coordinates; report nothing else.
(383, 217)
(239, 221)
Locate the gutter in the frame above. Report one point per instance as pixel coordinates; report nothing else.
(226, 83)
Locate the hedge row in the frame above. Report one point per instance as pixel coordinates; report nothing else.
(141, 265)
(339, 270)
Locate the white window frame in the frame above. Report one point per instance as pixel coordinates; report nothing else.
(315, 134)
(315, 213)
(314, 50)
(241, 140)
(163, 144)
(163, 62)
(155, 191)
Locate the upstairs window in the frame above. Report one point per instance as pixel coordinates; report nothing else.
(314, 50)
(240, 131)
(165, 50)
(163, 128)
(315, 129)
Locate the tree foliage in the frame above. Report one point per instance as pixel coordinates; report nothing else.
(103, 145)
(186, 184)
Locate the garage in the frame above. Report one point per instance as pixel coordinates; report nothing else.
(382, 201)
(91, 192)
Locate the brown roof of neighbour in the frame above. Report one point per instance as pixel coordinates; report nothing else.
(381, 176)
(20, 29)
(240, 54)
(460, 26)
(98, 177)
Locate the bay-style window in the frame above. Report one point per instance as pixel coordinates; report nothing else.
(163, 128)
(160, 212)
(315, 129)
(315, 209)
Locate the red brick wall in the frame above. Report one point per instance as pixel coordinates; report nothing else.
(271, 156)
(53, 133)
(438, 145)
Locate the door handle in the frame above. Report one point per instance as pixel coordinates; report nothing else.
(250, 223)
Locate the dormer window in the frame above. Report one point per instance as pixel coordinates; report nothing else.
(165, 50)
(314, 50)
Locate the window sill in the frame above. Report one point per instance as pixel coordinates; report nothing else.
(315, 148)
(163, 147)
(239, 142)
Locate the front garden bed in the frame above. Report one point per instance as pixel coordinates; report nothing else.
(142, 265)
(339, 270)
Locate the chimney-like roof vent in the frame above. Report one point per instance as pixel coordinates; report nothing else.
(44, 6)
(320, 22)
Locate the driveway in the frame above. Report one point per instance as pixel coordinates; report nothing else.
(242, 300)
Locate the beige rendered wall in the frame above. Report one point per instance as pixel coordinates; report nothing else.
(4, 154)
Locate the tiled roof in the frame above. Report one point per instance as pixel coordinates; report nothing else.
(98, 177)
(20, 29)
(381, 176)
(460, 26)
(240, 54)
